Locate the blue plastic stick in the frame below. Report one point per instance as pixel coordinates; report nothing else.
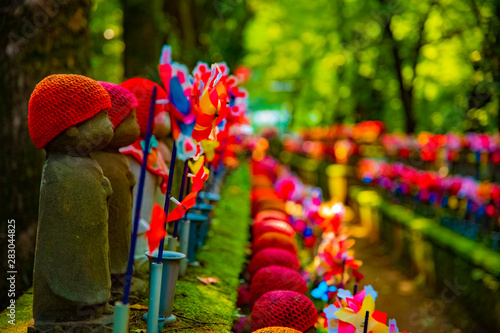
(367, 315)
(166, 207)
(138, 203)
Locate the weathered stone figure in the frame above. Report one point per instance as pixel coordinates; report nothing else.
(157, 173)
(116, 168)
(68, 118)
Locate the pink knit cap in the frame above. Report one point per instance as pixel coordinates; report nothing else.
(122, 102)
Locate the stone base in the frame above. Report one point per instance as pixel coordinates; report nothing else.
(103, 324)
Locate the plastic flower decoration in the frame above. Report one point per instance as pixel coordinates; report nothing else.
(332, 320)
(353, 313)
(200, 176)
(153, 143)
(344, 294)
(393, 326)
(331, 265)
(179, 87)
(209, 146)
(332, 215)
(211, 105)
(286, 185)
(322, 291)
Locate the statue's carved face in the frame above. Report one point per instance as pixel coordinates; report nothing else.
(162, 125)
(84, 138)
(126, 132)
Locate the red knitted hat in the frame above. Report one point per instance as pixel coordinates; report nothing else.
(261, 180)
(61, 101)
(272, 226)
(276, 329)
(274, 239)
(284, 308)
(142, 90)
(269, 214)
(273, 257)
(122, 102)
(263, 194)
(268, 204)
(275, 278)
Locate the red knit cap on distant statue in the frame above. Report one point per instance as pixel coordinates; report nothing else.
(284, 308)
(268, 215)
(276, 329)
(269, 204)
(263, 193)
(142, 90)
(62, 101)
(274, 239)
(261, 181)
(122, 102)
(275, 278)
(273, 257)
(272, 226)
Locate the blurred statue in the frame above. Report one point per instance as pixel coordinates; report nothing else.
(156, 180)
(116, 168)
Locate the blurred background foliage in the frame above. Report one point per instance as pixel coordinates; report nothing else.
(415, 64)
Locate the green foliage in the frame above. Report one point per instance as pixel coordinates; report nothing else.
(106, 29)
(353, 60)
(205, 30)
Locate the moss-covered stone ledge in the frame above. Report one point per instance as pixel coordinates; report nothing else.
(198, 307)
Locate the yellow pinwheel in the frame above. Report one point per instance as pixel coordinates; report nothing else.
(352, 321)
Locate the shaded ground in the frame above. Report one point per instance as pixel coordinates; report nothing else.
(416, 308)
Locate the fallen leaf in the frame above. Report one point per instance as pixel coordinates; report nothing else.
(138, 306)
(208, 280)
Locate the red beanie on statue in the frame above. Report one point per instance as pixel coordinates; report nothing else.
(62, 101)
(273, 257)
(276, 329)
(142, 89)
(122, 102)
(284, 308)
(275, 278)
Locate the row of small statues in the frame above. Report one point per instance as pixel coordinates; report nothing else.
(92, 134)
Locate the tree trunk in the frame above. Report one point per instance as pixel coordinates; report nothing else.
(39, 38)
(143, 38)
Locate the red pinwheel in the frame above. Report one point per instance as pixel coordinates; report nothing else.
(156, 230)
(190, 199)
(179, 211)
(211, 106)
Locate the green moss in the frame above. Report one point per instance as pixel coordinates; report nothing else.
(23, 315)
(201, 308)
(198, 307)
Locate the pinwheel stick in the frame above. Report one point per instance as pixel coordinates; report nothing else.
(355, 291)
(341, 285)
(138, 203)
(167, 199)
(181, 194)
(365, 328)
(175, 201)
